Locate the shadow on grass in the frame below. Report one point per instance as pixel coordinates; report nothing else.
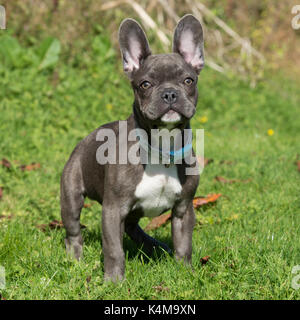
(132, 251)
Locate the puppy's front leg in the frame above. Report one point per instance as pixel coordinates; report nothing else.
(183, 222)
(112, 241)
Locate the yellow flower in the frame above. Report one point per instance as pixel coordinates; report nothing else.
(270, 132)
(233, 217)
(203, 119)
(108, 106)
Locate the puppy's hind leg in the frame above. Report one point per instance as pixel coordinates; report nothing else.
(72, 201)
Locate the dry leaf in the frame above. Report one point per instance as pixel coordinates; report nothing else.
(55, 77)
(5, 163)
(55, 224)
(52, 225)
(206, 161)
(224, 180)
(204, 260)
(161, 288)
(210, 198)
(197, 202)
(298, 165)
(1, 297)
(1, 192)
(30, 167)
(158, 221)
(87, 205)
(227, 162)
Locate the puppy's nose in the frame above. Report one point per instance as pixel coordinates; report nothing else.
(169, 96)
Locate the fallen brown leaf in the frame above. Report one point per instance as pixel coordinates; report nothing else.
(1, 297)
(298, 165)
(204, 260)
(224, 180)
(30, 167)
(161, 287)
(55, 224)
(1, 192)
(210, 198)
(87, 205)
(55, 77)
(227, 162)
(158, 221)
(5, 163)
(197, 202)
(206, 161)
(52, 225)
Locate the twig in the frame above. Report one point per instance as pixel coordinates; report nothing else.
(214, 66)
(169, 10)
(244, 43)
(111, 4)
(148, 21)
(50, 279)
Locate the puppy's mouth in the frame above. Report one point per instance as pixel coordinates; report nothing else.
(171, 117)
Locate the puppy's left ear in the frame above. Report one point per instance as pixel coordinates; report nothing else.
(188, 41)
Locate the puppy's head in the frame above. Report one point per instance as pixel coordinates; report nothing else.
(165, 85)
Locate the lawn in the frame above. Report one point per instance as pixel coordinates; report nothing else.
(251, 234)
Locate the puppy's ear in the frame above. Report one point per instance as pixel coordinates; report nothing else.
(133, 44)
(188, 41)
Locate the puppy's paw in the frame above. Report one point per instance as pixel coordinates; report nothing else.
(113, 277)
(74, 248)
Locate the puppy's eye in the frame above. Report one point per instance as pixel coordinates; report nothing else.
(145, 85)
(188, 81)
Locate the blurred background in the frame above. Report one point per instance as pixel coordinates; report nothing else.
(245, 37)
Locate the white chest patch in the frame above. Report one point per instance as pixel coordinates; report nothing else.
(158, 190)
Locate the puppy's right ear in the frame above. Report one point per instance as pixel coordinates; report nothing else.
(133, 44)
(188, 41)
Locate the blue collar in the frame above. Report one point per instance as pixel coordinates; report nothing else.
(171, 156)
(181, 151)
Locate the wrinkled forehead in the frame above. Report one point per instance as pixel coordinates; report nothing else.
(165, 67)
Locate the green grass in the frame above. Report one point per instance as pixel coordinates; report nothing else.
(251, 234)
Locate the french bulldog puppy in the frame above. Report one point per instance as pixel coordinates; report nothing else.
(165, 96)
